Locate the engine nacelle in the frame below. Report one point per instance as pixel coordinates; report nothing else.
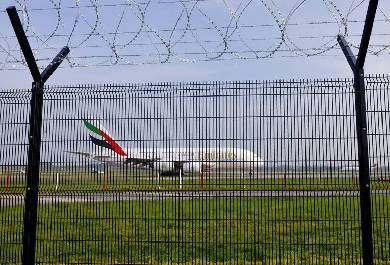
(194, 167)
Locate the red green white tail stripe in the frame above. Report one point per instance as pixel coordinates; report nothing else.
(108, 141)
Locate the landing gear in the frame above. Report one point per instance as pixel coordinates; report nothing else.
(175, 173)
(201, 177)
(180, 178)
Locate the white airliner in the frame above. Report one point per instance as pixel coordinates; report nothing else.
(169, 161)
(356, 168)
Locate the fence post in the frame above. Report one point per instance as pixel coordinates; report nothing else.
(363, 157)
(357, 66)
(32, 189)
(31, 199)
(364, 171)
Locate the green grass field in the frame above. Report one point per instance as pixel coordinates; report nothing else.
(294, 230)
(291, 230)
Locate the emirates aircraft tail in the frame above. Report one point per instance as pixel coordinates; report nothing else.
(100, 136)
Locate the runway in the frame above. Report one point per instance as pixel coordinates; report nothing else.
(12, 200)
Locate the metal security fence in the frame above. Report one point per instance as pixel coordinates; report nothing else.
(15, 110)
(220, 172)
(378, 114)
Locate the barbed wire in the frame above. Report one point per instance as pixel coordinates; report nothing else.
(129, 32)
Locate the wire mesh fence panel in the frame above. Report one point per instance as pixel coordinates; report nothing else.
(219, 172)
(200, 172)
(378, 111)
(14, 109)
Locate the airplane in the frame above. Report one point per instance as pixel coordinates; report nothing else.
(356, 168)
(168, 161)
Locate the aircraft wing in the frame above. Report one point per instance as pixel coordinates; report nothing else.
(140, 161)
(133, 161)
(85, 154)
(100, 158)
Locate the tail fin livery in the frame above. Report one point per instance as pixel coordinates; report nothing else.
(107, 142)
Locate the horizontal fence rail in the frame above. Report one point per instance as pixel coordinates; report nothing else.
(217, 172)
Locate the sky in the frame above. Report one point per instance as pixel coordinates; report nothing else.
(312, 25)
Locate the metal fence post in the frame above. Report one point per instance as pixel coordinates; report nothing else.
(357, 66)
(364, 171)
(363, 158)
(32, 189)
(31, 199)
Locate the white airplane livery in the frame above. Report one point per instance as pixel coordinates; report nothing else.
(169, 161)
